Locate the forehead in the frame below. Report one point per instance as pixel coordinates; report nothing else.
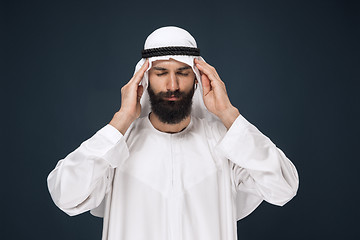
(169, 64)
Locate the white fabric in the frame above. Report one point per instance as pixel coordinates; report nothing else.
(191, 185)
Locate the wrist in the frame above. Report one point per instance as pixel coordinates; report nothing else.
(229, 116)
(121, 121)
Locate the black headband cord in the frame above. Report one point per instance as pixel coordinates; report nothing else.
(162, 51)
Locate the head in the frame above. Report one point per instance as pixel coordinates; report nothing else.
(171, 89)
(169, 37)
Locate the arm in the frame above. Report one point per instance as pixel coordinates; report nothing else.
(80, 181)
(259, 166)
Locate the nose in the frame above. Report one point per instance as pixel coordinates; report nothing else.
(172, 84)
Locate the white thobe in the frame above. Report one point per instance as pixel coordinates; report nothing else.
(192, 185)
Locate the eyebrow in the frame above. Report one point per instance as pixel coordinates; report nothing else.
(184, 68)
(179, 69)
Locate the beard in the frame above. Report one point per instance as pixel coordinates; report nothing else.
(171, 112)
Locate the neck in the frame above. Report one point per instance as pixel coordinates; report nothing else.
(166, 127)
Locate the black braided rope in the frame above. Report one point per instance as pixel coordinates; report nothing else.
(162, 51)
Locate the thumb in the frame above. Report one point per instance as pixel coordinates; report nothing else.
(205, 84)
(140, 91)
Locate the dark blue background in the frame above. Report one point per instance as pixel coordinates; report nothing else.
(291, 68)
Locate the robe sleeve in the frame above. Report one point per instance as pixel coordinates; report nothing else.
(258, 166)
(80, 181)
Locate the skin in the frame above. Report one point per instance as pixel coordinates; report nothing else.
(171, 75)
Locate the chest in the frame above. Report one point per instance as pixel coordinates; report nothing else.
(170, 163)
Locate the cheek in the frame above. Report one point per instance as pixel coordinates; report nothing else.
(155, 83)
(188, 83)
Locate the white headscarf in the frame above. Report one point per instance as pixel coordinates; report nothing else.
(173, 37)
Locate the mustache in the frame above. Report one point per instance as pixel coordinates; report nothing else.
(169, 94)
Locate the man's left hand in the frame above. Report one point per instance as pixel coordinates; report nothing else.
(214, 94)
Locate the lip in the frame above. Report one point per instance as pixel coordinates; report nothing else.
(172, 98)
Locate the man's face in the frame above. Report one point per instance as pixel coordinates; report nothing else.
(171, 88)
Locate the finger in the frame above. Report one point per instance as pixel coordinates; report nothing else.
(140, 91)
(140, 73)
(204, 65)
(212, 75)
(207, 66)
(205, 82)
(206, 70)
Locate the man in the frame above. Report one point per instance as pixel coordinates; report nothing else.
(177, 161)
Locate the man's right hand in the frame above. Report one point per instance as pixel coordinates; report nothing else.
(130, 101)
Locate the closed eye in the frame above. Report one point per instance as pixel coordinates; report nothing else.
(183, 74)
(179, 73)
(161, 74)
